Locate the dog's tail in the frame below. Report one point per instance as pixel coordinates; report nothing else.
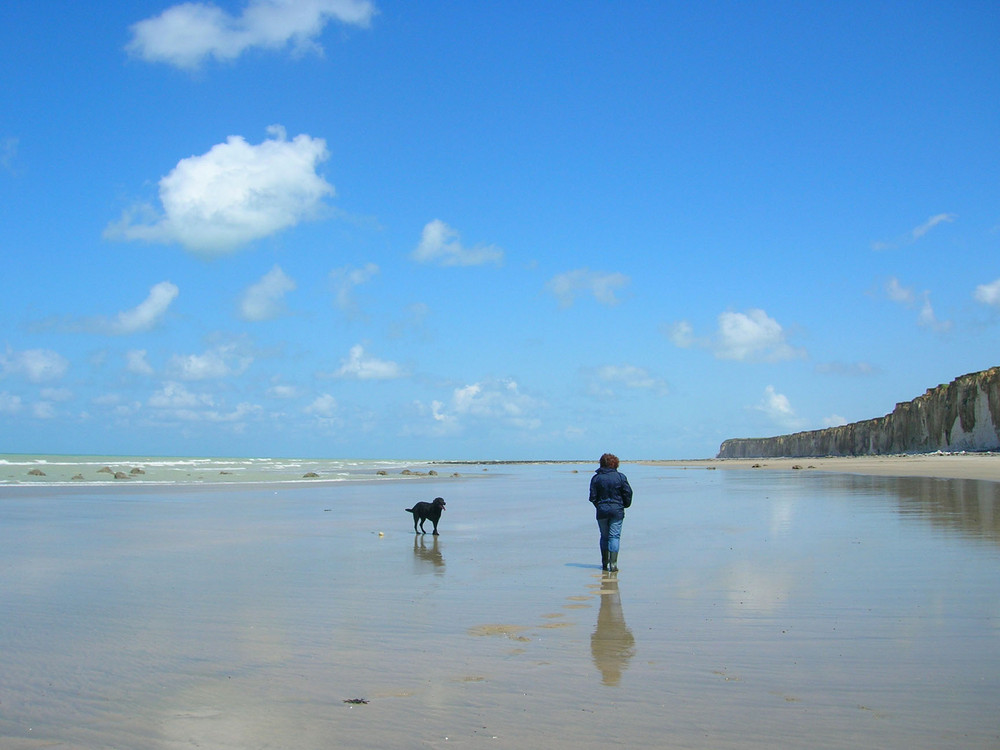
(408, 510)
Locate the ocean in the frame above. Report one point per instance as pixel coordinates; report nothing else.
(89, 470)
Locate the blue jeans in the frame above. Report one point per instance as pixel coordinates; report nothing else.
(611, 531)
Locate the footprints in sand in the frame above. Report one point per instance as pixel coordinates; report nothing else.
(507, 631)
(555, 620)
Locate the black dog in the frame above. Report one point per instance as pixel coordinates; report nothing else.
(427, 512)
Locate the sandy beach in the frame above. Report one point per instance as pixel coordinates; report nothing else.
(983, 466)
(754, 609)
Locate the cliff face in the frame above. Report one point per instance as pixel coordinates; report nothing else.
(962, 415)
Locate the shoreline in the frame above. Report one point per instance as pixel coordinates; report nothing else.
(65, 472)
(980, 466)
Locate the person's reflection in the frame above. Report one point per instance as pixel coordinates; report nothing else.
(611, 644)
(430, 554)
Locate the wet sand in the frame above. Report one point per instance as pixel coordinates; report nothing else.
(754, 609)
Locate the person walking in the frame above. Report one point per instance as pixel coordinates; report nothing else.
(610, 494)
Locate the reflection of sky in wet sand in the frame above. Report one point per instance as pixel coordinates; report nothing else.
(762, 610)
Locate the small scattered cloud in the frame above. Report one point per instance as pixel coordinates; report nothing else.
(609, 378)
(932, 222)
(143, 317)
(136, 363)
(186, 34)
(345, 280)
(175, 401)
(752, 336)
(834, 420)
(235, 193)
(484, 404)
(415, 317)
(36, 365)
(10, 403)
(8, 152)
(364, 367)
(898, 293)
(681, 334)
(928, 319)
(441, 244)
(908, 297)
(265, 299)
(988, 294)
(281, 390)
(500, 401)
(916, 233)
(175, 396)
(324, 406)
(115, 405)
(43, 410)
(221, 362)
(58, 395)
(778, 409)
(440, 416)
(147, 313)
(849, 369)
(582, 281)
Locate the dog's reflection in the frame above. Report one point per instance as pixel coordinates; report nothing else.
(425, 553)
(611, 644)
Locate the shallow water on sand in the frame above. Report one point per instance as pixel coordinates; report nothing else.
(752, 610)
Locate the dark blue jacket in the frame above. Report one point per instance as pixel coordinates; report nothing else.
(610, 493)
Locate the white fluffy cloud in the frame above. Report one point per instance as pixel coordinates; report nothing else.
(37, 365)
(186, 34)
(603, 286)
(175, 396)
(498, 401)
(440, 244)
(282, 391)
(220, 362)
(233, 194)
(752, 335)
(177, 402)
(778, 408)
(988, 294)
(363, 367)
(265, 299)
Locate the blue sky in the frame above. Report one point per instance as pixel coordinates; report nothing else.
(342, 228)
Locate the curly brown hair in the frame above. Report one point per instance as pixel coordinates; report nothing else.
(609, 461)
